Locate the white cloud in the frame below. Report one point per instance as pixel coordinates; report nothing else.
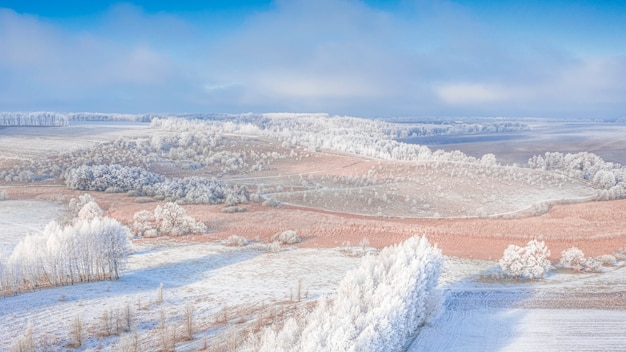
(338, 56)
(470, 93)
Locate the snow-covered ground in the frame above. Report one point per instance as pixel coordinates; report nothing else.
(233, 289)
(19, 217)
(28, 142)
(564, 312)
(215, 279)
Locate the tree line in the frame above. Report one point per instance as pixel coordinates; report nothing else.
(89, 248)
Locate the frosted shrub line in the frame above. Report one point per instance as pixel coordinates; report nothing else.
(574, 259)
(379, 306)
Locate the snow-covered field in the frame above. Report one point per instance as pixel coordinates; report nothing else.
(44, 141)
(19, 217)
(564, 312)
(241, 283)
(232, 291)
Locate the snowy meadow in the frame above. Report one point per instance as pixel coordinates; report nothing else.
(283, 232)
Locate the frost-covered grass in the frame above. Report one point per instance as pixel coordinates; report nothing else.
(344, 165)
(431, 189)
(217, 280)
(44, 141)
(230, 288)
(564, 312)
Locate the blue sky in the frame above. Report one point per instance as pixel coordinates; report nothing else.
(360, 58)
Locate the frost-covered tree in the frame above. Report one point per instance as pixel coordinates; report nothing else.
(574, 258)
(530, 261)
(77, 204)
(144, 223)
(90, 211)
(89, 248)
(172, 219)
(39, 119)
(379, 306)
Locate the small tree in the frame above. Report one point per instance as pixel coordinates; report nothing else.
(188, 320)
(574, 258)
(159, 294)
(143, 222)
(173, 219)
(89, 211)
(530, 261)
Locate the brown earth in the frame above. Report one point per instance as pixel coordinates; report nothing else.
(595, 227)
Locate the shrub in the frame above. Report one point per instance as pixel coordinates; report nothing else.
(144, 200)
(235, 241)
(286, 237)
(25, 342)
(607, 259)
(233, 209)
(574, 258)
(274, 247)
(271, 203)
(173, 219)
(530, 261)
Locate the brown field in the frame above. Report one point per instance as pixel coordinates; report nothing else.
(330, 199)
(595, 227)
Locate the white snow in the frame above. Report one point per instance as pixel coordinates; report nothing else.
(19, 217)
(208, 275)
(527, 315)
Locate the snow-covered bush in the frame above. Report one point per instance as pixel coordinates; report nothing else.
(606, 259)
(168, 219)
(233, 209)
(235, 241)
(90, 211)
(172, 219)
(526, 262)
(77, 204)
(143, 223)
(379, 306)
(286, 237)
(270, 203)
(574, 258)
(4, 195)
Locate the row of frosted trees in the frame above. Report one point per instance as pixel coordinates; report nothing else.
(48, 119)
(88, 249)
(380, 306)
(191, 190)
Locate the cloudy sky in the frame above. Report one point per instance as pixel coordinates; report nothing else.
(356, 57)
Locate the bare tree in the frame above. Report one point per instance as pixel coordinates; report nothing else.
(76, 332)
(188, 320)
